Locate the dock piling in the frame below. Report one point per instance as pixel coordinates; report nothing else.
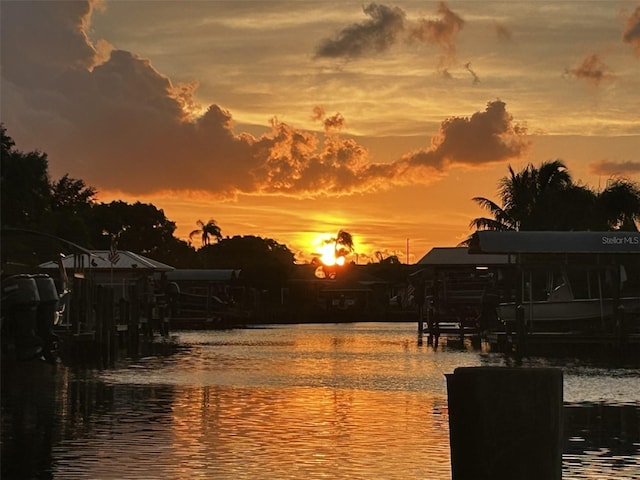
(505, 423)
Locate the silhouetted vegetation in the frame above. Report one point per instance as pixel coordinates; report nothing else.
(206, 231)
(546, 198)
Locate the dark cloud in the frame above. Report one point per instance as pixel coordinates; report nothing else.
(122, 125)
(44, 39)
(372, 36)
(467, 67)
(609, 168)
(592, 69)
(631, 32)
(442, 32)
(485, 137)
(331, 124)
(387, 26)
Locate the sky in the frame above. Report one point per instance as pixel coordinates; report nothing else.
(292, 120)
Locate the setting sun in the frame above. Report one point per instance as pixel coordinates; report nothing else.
(325, 247)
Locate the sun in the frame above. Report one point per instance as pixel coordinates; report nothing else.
(325, 249)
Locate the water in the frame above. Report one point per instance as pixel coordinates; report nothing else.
(339, 401)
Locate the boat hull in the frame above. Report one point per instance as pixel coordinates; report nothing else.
(568, 315)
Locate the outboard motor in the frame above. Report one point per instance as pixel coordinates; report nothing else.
(20, 301)
(47, 315)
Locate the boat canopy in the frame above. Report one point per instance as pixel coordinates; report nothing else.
(459, 257)
(512, 242)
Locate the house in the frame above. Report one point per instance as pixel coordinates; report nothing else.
(127, 269)
(118, 287)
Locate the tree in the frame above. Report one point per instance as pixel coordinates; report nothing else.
(343, 244)
(207, 230)
(24, 185)
(139, 227)
(527, 198)
(67, 209)
(265, 263)
(72, 194)
(618, 205)
(71, 203)
(545, 198)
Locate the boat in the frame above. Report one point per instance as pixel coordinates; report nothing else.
(563, 300)
(31, 307)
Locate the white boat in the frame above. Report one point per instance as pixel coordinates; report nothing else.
(564, 300)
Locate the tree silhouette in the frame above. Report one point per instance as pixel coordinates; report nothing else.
(25, 185)
(526, 197)
(619, 205)
(343, 244)
(207, 230)
(545, 198)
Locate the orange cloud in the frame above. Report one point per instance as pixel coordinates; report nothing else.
(442, 32)
(631, 32)
(123, 125)
(485, 137)
(610, 168)
(592, 69)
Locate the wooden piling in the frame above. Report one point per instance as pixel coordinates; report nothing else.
(505, 423)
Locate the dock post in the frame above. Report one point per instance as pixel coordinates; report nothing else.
(521, 334)
(505, 423)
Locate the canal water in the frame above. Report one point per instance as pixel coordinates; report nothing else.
(339, 401)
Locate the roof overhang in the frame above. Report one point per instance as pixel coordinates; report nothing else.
(511, 242)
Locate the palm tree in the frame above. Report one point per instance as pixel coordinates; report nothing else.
(527, 198)
(343, 244)
(618, 205)
(207, 230)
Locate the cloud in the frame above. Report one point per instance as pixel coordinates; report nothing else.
(52, 38)
(372, 36)
(442, 32)
(467, 67)
(122, 125)
(631, 32)
(503, 33)
(331, 124)
(485, 137)
(609, 168)
(592, 70)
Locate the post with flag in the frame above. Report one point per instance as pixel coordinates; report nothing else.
(113, 251)
(113, 255)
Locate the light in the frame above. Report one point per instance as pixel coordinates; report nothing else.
(328, 252)
(324, 247)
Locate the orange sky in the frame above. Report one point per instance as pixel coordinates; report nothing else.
(293, 120)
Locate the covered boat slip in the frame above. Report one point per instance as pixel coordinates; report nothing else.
(568, 286)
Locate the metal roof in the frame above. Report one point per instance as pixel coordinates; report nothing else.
(99, 260)
(493, 242)
(460, 256)
(202, 275)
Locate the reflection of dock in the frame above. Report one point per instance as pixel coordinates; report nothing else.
(567, 343)
(451, 329)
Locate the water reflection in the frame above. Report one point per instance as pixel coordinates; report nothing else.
(602, 440)
(359, 401)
